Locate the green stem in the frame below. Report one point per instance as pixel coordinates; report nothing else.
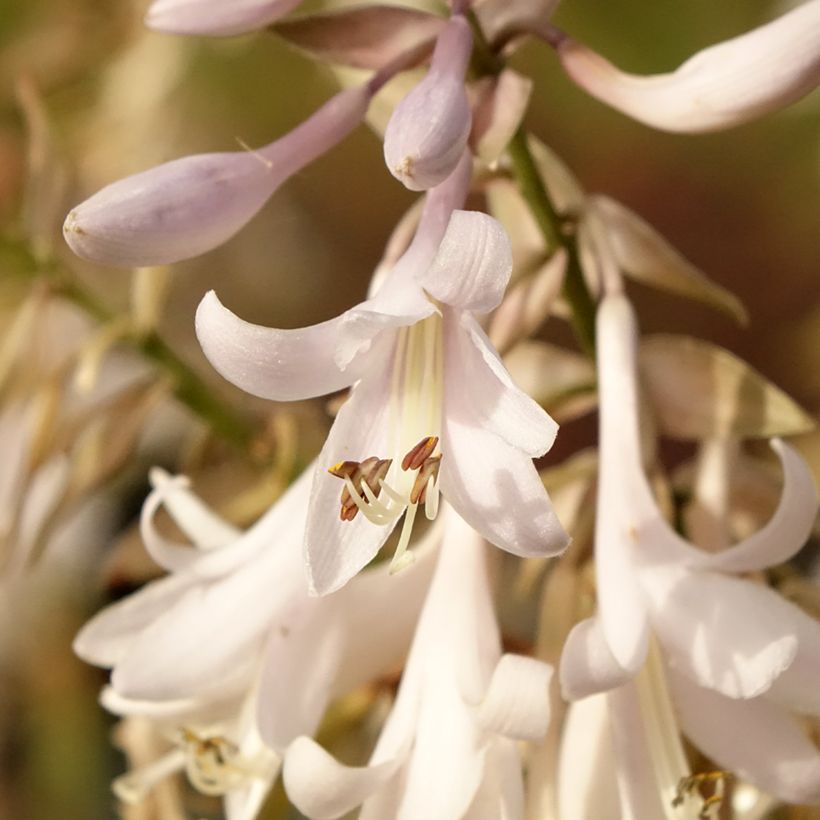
(189, 388)
(549, 221)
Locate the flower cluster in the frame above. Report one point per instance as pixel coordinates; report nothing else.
(239, 651)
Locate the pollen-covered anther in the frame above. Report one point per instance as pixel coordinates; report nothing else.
(427, 475)
(214, 765)
(369, 472)
(416, 457)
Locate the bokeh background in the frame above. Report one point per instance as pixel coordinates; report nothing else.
(743, 205)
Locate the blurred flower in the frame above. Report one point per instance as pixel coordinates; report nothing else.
(215, 17)
(428, 130)
(426, 375)
(447, 749)
(722, 86)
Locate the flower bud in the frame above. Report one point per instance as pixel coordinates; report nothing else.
(215, 18)
(191, 205)
(427, 132)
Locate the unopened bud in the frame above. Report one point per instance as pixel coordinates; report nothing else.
(428, 131)
(191, 205)
(215, 18)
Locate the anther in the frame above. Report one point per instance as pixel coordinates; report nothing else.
(420, 453)
(371, 471)
(429, 470)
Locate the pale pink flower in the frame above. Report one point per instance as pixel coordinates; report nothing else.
(432, 403)
(216, 18)
(447, 749)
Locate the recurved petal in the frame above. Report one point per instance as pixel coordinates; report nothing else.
(493, 486)
(587, 663)
(336, 550)
(324, 789)
(733, 636)
(215, 17)
(727, 84)
(283, 365)
(754, 738)
(475, 371)
(473, 264)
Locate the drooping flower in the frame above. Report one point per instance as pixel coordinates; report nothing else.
(432, 403)
(722, 86)
(428, 130)
(188, 206)
(727, 643)
(231, 649)
(447, 749)
(215, 18)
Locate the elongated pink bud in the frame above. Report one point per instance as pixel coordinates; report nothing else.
(727, 84)
(215, 18)
(191, 205)
(427, 133)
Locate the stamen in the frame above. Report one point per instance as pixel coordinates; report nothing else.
(361, 504)
(431, 497)
(420, 453)
(214, 765)
(429, 471)
(692, 785)
(134, 786)
(402, 558)
(356, 475)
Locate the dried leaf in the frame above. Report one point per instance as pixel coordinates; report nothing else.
(561, 381)
(500, 105)
(644, 255)
(363, 37)
(699, 390)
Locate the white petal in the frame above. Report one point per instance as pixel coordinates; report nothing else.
(493, 486)
(753, 738)
(473, 264)
(729, 635)
(517, 702)
(106, 637)
(722, 86)
(784, 534)
(587, 663)
(587, 789)
(321, 787)
(473, 368)
(336, 550)
(283, 365)
(500, 795)
(196, 519)
(215, 17)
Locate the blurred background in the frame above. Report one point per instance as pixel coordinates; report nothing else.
(743, 205)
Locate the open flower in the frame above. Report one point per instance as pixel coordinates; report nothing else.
(732, 646)
(433, 404)
(724, 85)
(231, 648)
(447, 749)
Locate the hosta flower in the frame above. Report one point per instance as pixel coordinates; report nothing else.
(447, 749)
(428, 130)
(232, 637)
(188, 206)
(727, 84)
(733, 647)
(432, 405)
(215, 17)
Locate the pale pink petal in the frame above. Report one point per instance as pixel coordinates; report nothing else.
(797, 688)
(493, 486)
(727, 84)
(587, 663)
(324, 789)
(473, 264)
(215, 17)
(754, 738)
(428, 130)
(477, 372)
(106, 637)
(729, 635)
(336, 550)
(517, 704)
(283, 365)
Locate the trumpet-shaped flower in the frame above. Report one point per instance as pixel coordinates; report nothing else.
(432, 405)
(447, 749)
(188, 206)
(215, 18)
(726, 640)
(725, 85)
(231, 648)
(428, 131)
